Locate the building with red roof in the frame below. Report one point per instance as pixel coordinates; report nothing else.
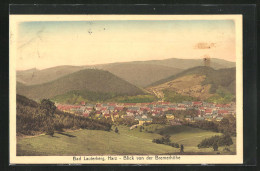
(208, 111)
(107, 115)
(196, 103)
(223, 112)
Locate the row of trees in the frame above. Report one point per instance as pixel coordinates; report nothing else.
(146, 98)
(227, 125)
(182, 113)
(127, 121)
(159, 119)
(76, 96)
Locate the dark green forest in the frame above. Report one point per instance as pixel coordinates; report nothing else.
(216, 141)
(77, 96)
(36, 118)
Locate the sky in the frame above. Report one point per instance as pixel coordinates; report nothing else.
(45, 44)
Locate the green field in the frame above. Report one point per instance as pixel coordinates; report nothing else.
(97, 142)
(191, 137)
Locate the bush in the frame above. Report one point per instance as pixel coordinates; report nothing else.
(50, 131)
(176, 145)
(165, 140)
(216, 141)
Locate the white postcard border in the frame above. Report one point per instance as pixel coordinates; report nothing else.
(184, 159)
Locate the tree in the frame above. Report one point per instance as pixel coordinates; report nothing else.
(116, 130)
(215, 146)
(224, 125)
(225, 140)
(121, 113)
(124, 109)
(48, 108)
(166, 139)
(92, 113)
(182, 149)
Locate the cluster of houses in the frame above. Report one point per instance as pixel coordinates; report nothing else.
(211, 111)
(140, 111)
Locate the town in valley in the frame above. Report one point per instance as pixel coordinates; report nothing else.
(144, 112)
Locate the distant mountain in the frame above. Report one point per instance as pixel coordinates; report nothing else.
(139, 73)
(189, 63)
(92, 80)
(35, 76)
(198, 83)
(221, 76)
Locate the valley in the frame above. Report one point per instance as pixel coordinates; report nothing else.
(140, 107)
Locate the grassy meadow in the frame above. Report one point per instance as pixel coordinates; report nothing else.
(98, 142)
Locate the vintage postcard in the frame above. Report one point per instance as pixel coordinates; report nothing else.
(126, 89)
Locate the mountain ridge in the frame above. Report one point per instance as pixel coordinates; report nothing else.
(139, 73)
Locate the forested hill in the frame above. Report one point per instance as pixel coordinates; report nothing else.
(222, 77)
(32, 119)
(89, 79)
(198, 83)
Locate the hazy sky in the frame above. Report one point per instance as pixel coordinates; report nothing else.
(47, 44)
